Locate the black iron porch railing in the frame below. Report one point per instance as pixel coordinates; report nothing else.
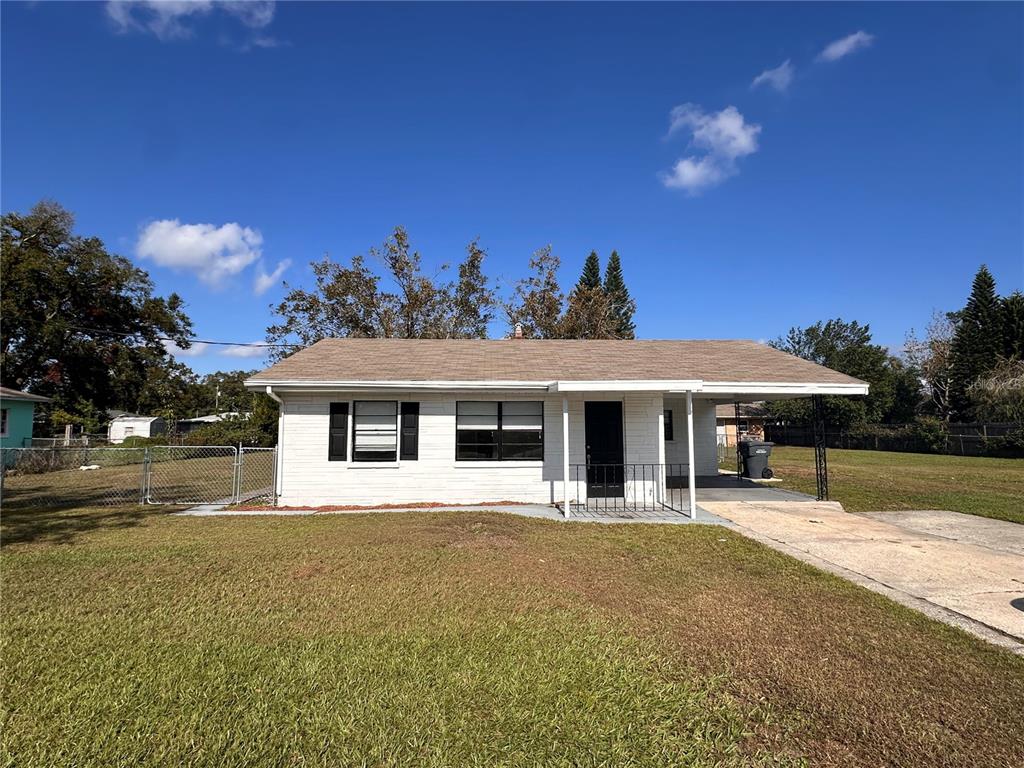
(629, 487)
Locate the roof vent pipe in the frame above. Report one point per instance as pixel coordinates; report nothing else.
(518, 333)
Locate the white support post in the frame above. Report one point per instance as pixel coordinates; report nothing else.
(691, 476)
(565, 456)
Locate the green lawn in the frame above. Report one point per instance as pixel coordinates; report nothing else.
(870, 481)
(131, 636)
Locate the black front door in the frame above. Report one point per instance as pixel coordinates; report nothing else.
(605, 469)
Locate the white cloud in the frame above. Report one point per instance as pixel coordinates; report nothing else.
(213, 253)
(246, 351)
(693, 175)
(846, 45)
(167, 19)
(264, 281)
(723, 136)
(778, 78)
(724, 133)
(196, 349)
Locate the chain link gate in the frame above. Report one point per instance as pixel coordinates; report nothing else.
(256, 478)
(163, 474)
(191, 474)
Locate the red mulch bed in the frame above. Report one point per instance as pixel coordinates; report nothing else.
(358, 508)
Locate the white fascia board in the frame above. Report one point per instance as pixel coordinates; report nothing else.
(365, 386)
(765, 389)
(629, 385)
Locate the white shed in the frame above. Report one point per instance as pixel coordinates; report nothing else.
(130, 425)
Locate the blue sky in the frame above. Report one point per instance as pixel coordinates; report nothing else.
(216, 145)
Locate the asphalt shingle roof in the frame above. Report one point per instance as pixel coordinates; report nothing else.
(468, 360)
(6, 393)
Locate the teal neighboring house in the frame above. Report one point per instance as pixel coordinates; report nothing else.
(16, 412)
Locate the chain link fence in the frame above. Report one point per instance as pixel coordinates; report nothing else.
(85, 477)
(257, 472)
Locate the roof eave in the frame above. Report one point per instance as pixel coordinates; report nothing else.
(706, 388)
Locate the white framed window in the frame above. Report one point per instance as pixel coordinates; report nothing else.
(375, 430)
(499, 431)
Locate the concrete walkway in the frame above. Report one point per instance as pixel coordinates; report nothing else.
(540, 511)
(961, 569)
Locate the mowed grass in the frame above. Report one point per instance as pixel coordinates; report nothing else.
(874, 481)
(131, 636)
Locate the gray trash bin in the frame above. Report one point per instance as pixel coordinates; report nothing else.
(755, 455)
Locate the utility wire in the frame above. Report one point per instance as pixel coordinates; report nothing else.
(190, 341)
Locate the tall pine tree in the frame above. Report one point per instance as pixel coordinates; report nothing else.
(1013, 326)
(621, 305)
(591, 277)
(978, 341)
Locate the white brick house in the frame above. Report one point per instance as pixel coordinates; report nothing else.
(393, 421)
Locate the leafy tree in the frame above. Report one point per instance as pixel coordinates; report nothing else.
(977, 342)
(588, 315)
(907, 395)
(536, 303)
(223, 391)
(846, 347)
(77, 318)
(167, 390)
(350, 301)
(257, 427)
(473, 299)
(931, 357)
(1013, 326)
(591, 277)
(999, 394)
(621, 305)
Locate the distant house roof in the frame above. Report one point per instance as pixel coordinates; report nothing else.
(6, 393)
(136, 417)
(747, 411)
(213, 418)
(392, 361)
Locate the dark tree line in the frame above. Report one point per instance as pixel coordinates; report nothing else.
(969, 366)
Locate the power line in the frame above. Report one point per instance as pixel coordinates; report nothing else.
(190, 341)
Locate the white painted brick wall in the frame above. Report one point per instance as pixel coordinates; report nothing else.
(307, 478)
(705, 447)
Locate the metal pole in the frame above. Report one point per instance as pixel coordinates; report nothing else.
(692, 477)
(144, 491)
(736, 411)
(820, 447)
(565, 456)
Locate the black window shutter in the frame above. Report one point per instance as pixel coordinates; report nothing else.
(669, 432)
(337, 449)
(410, 432)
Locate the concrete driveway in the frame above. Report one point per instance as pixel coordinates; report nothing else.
(962, 569)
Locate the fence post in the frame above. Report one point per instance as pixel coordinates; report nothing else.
(273, 478)
(144, 490)
(238, 473)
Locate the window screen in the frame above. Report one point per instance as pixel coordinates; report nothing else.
(669, 429)
(522, 431)
(476, 431)
(375, 430)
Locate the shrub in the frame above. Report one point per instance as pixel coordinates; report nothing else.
(1010, 445)
(138, 441)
